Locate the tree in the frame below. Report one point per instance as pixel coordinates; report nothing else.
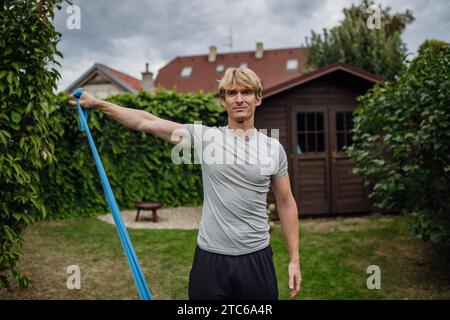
(431, 43)
(392, 23)
(402, 142)
(380, 51)
(27, 80)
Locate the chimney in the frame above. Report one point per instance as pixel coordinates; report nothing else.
(212, 54)
(259, 50)
(147, 80)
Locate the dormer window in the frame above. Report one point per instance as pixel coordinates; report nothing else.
(220, 68)
(292, 64)
(186, 72)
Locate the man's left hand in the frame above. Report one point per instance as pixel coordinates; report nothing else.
(295, 278)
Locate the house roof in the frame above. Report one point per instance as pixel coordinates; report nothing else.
(271, 69)
(319, 73)
(121, 79)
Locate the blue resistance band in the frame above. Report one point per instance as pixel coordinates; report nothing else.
(123, 234)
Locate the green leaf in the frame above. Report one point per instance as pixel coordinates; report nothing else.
(23, 282)
(379, 162)
(10, 77)
(9, 233)
(16, 117)
(14, 126)
(29, 107)
(3, 137)
(15, 65)
(5, 133)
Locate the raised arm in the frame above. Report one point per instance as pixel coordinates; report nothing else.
(135, 119)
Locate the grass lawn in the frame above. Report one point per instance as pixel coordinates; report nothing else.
(335, 254)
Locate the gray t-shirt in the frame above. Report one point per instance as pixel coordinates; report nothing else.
(236, 172)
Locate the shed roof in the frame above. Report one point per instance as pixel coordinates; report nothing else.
(304, 78)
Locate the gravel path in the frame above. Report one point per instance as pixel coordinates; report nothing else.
(169, 218)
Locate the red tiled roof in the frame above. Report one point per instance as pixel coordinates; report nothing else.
(123, 80)
(271, 69)
(135, 83)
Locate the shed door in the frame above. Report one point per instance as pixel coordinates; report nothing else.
(323, 182)
(348, 192)
(310, 159)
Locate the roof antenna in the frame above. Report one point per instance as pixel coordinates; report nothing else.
(230, 39)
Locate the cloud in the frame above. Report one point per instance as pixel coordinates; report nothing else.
(127, 34)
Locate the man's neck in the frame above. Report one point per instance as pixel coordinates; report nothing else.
(245, 126)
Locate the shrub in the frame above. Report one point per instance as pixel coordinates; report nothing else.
(402, 142)
(27, 79)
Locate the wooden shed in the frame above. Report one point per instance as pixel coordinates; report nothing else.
(313, 113)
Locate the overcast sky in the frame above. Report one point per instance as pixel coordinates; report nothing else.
(126, 34)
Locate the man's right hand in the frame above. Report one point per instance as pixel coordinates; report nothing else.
(86, 100)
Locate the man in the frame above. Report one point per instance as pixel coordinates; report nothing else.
(233, 257)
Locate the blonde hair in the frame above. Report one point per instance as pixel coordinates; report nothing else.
(243, 76)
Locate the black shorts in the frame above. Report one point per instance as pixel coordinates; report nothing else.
(223, 277)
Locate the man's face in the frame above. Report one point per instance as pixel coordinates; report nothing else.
(240, 102)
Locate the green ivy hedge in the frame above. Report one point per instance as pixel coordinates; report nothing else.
(402, 142)
(138, 165)
(27, 136)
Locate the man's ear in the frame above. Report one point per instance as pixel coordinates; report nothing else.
(258, 101)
